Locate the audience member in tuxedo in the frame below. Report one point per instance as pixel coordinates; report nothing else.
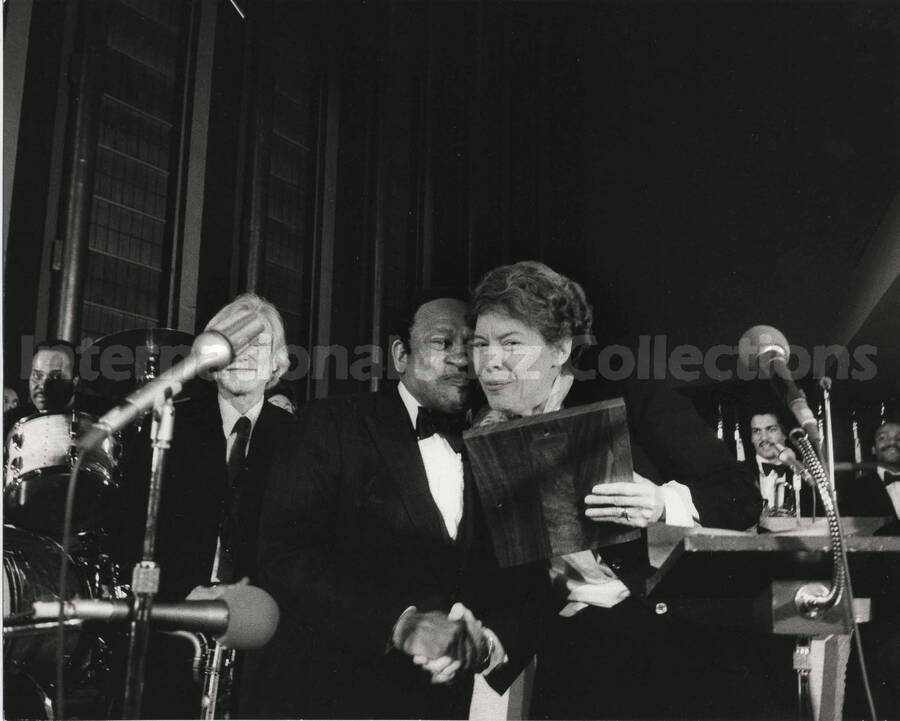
(877, 493)
(609, 653)
(212, 491)
(373, 543)
(775, 479)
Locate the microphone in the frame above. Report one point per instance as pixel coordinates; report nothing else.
(246, 617)
(212, 350)
(765, 348)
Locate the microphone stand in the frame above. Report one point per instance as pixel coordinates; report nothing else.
(145, 578)
(825, 384)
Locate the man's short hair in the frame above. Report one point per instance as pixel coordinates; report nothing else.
(404, 328)
(886, 422)
(256, 304)
(784, 423)
(62, 346)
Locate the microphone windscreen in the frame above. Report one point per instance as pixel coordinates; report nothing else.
(762, 341)
(253, 617)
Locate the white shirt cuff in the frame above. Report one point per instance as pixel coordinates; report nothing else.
(498, 653)
(680, 509)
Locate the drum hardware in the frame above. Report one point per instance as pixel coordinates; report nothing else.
(41, 452)
(30, 568)
(135, 357)
(40, 456)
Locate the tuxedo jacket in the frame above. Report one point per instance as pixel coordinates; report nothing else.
(350, 537)
(669, 441)
(865, 495)
(196, 494)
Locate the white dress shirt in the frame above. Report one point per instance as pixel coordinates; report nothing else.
(230, 416)
(446, 481)
(768, 486)
(893, 489)
(443, 468)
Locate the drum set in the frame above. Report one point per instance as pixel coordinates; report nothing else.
(39, 453)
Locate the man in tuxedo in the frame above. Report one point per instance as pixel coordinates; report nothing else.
(775, 479)
(877, 493)
(212, 491)
(371, 532)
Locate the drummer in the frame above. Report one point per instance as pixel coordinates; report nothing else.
(51, 382)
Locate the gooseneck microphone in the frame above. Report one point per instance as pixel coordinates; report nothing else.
(765, 349)
(212, 350)
(245, 617)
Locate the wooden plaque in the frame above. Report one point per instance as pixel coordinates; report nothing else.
(533, 473)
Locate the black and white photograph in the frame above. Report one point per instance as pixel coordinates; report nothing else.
(451, 359)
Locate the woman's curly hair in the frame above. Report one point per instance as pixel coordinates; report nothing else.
(539, 297)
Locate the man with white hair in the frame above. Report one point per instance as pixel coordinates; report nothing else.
(212, 492)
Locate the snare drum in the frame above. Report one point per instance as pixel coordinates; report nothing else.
(40, 453)
(31, 565)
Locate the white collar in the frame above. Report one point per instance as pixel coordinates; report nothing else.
(558, 392)
(880, 470)
(411, 404)
(230, 415)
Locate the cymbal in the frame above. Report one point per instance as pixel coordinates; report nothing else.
(115, 365)
(147, 337)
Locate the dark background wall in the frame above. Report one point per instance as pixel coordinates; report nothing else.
(700, 167)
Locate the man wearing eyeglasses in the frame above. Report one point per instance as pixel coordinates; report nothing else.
(51, 383)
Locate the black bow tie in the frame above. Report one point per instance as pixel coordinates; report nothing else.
(779, 469)
(449, 426)
(891, 477)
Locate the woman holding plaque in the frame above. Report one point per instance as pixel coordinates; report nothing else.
(611, 654)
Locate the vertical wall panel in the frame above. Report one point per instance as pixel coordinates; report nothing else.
(137, 138)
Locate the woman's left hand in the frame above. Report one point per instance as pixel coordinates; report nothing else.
(637, 504)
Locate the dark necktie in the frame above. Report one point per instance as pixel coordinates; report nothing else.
(780, 470)
(431, 422)
(891, 477)
(229, 525)
(241, 433)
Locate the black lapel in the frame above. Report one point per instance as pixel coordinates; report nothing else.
(469, 531)
(395, 440)
(263, 434)
(885, 504)
(203, 427)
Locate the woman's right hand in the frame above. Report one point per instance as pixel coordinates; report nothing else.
(638, 503)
